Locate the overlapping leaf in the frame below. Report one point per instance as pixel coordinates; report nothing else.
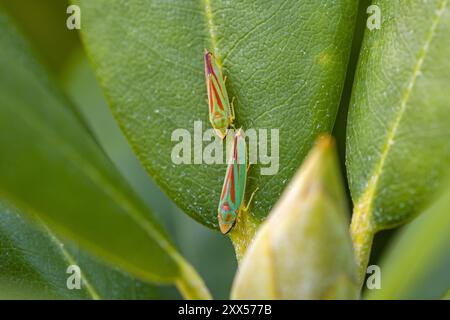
(51, 167)
(398, 148)
(285, 63)
(416, 264)
(34, 264)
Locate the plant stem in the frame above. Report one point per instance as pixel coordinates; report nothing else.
(190, 284)
(243, 233)
(362, 235)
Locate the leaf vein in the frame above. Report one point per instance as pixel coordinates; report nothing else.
(255, 27)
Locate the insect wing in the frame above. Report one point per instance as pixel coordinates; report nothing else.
(219, 105)
(236, 175)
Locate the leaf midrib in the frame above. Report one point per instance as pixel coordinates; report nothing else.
(367, 197)
(69, 258)
(66, 256)
(210, 25)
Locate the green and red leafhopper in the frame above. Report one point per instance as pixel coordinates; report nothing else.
(232, 197)
(221, 113)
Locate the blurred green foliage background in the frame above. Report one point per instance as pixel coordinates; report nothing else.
(43, 23)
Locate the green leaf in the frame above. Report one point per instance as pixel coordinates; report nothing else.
(219, 262)
(285, 63)
(51, 167)
(34, 262)
(416, 265)
(446, 295)
(54, 42)
(303, 250)
(398, 126)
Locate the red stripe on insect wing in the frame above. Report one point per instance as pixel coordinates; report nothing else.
(225, 185)
(211, 103)
(211, 70)
(232, 190)
(218, 83)
(219, 102)
(208, 64)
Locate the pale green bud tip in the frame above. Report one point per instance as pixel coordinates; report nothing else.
(303, 250)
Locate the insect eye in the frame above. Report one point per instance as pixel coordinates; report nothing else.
(228, 217)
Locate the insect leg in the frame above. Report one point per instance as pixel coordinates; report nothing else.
(251, 198)
(232, 116)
